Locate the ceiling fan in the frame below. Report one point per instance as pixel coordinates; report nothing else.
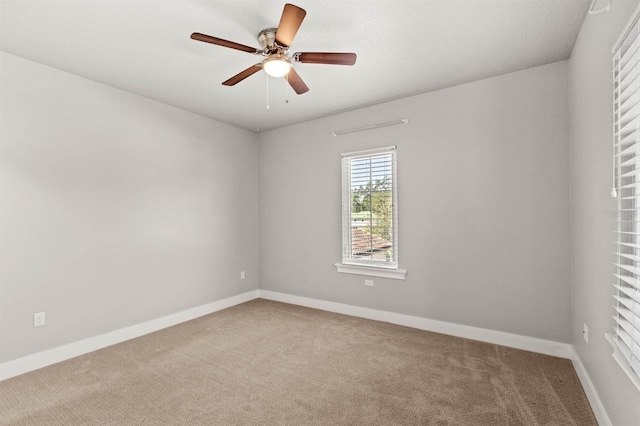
(274, 43)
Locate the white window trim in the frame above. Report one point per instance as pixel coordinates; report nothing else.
(381, 270)
(622, 362)
(372, 271)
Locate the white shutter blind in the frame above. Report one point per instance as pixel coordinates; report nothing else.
(626, 79)
(369, 208)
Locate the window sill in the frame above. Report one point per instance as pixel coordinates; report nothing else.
(372, 271)
(617, 355)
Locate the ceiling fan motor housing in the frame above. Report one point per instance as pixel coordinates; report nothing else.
(267, 40)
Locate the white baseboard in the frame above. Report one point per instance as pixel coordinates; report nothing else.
(590, 390)
(42, 359)
(547, 347)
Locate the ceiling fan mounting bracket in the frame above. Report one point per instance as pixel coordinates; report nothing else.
(267, 40)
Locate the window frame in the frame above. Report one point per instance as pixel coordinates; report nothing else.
(349, 264)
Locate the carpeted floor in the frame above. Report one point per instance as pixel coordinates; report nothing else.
(269, 363)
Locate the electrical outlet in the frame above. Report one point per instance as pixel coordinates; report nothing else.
(38, 319)
(585, 333)
(368, 283)
(242, 275)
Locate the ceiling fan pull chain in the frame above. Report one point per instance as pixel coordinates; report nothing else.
(267, 92)
(286, 89)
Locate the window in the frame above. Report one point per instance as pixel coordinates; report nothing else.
(370, 214)
(626, 122)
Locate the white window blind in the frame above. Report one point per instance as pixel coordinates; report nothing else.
(369, 208)
(626, 119)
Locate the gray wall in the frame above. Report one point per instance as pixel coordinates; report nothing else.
(483, 205)
(114, 209)
(592, 228)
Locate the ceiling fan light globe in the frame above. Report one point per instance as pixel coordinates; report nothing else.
(276, 67)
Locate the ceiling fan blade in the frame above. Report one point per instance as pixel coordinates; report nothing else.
(242, 75)
(296, 82)
(290, 21)
(326, 58)
(224, 43)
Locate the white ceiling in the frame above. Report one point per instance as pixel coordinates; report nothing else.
(404, 47)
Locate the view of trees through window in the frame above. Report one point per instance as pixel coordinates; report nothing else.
(372, 207)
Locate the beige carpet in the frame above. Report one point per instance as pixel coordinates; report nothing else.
(269, 363)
